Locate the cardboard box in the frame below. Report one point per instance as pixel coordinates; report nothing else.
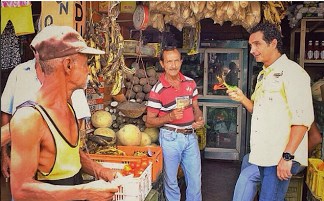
(64, 13)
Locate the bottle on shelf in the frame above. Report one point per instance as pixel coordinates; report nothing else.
(322, 50)
(317, 50)
(309, 51)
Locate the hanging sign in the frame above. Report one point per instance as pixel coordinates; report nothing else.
(64, 13)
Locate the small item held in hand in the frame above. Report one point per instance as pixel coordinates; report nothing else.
(222, 81)
(182, 101)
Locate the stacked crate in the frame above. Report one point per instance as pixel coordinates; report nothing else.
(315, 178)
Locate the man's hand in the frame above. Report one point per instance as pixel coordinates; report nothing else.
(198, 124)
(107, 174)
(284, 169)
(235, 94)
(5, 163)
(100, 190)
(176, 114)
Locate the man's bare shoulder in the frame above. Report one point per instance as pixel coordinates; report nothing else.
(25, 120)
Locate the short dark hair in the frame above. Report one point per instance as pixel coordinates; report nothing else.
(167, 48)
(270, 32)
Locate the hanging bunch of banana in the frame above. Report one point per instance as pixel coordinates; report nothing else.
(93, 62)
(196, 36)
(274, 11)
(106, 36)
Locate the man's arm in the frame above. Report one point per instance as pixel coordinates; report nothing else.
(5, 118)
(297, 133)
(25, 162)
(199, 121)
(152, 119)
(5, 139)
(5, 132)
(314, 137)
(5, 136)
(95, 169)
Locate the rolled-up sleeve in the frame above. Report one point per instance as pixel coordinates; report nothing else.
(299, 98)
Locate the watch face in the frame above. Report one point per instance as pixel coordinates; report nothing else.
(287, 156)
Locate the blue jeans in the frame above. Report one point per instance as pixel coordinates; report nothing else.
(248, 181)
(273, 189)
(181, 149)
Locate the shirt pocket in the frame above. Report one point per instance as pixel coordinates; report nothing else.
(273, 84)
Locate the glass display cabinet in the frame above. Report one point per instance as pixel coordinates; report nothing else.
(226, 120)
(222, 64)
(193, 67)
(223, 137)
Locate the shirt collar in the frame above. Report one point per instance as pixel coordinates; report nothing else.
(166, 84)
(30, 65)
(276, 64)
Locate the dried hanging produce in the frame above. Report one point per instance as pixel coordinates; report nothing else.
(106, 36)
(274, 11)
(187, 13)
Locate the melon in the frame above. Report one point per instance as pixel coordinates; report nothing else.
(146, 139)
(129, 135)
(153, 133)
(101, 119)
(107, 132)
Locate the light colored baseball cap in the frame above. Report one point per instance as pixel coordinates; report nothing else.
(60, 41)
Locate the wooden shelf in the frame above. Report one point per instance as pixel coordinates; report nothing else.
(314, 25)
(305, 26)
(134, 56)
(319, 61)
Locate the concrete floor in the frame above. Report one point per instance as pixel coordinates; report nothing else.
(218, 180)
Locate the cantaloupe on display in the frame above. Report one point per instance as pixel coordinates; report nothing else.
(129, 135)
(101, 119)
(153, 133)
(145, 140)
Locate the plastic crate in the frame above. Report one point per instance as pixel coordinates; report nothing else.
(152, 196)
(295, 189)
(137, 188)
(311, 197)
(156, 158)
(315, 178)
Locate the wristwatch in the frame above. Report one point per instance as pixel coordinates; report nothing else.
(287, 156)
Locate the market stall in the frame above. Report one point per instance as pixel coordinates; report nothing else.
(212, 37)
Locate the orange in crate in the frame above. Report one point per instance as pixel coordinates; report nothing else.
(155, 158)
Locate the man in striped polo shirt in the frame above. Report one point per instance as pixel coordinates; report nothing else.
(173, 106)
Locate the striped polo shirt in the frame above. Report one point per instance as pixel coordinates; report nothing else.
(162, 100)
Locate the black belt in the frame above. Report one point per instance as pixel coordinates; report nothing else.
(186, 131)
